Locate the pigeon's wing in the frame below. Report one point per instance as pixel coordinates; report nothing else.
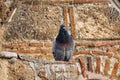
(58, 51)
(53, 47)
(69, 51)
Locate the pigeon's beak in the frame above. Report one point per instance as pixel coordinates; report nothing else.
(64, 28)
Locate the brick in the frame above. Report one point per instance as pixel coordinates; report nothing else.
(40, 44)
(106, 43)
(29, 51)
(72, 22)
(89, 64)
(114, 70)
(42, 75)
(46, 50)
(13, 45)
(16, 51)
(65, 15)
(81, 52)
(19, 44)
(8, 45)
(85, 44)
(98, 44)
(98, 52)
(47, 44)
(89, 1)
(61, 1)
(117, 56)
(112, 50)
(83, 68)
(98, 62)
(107, 63)
(1, 1)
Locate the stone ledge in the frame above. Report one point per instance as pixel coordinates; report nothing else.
(64, 1)
(50, 69)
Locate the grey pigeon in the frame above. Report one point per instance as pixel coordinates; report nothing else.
(63, 45)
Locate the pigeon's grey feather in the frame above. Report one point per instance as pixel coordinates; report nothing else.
(63, 45)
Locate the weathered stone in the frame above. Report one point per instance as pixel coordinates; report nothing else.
(12, 60)
(3, 69)
(5, 54)
(20, 70)
(27, 68)
(27, 58)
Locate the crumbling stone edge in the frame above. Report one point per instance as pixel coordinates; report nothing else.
(36, 64)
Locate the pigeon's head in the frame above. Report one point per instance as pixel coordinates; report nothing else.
(63, 28)
(63, 35)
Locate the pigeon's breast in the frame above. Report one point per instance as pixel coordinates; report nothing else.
(61, 46)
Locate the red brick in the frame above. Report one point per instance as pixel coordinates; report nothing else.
(106, 43)
(40, 44)
(1, 1)
(28, 51)
(65, 15)
(89, 1)
(85, 44)
(98, 62)
(114, 70)
(16, 51)
(83, 68)
(9, 45)
(72, 22)
(98, 52)
(42, 75)
(46, 50)
(117, 56)
(19, 44)
(61, 1)
(98, 44)
(112, 50)
(47, 44)
(107, 63)
(81, 52)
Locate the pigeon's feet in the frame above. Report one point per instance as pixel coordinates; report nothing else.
(71, 61)
(61, 62)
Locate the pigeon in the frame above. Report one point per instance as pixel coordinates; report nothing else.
(63, 45)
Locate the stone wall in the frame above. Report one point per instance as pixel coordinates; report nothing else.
(21, 67)
(29, 27)
(41, 21)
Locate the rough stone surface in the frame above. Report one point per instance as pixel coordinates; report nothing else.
(25, 67)
(22, 69)
(35, 24)
(96, 21)
(3, 69)
(42, 21)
